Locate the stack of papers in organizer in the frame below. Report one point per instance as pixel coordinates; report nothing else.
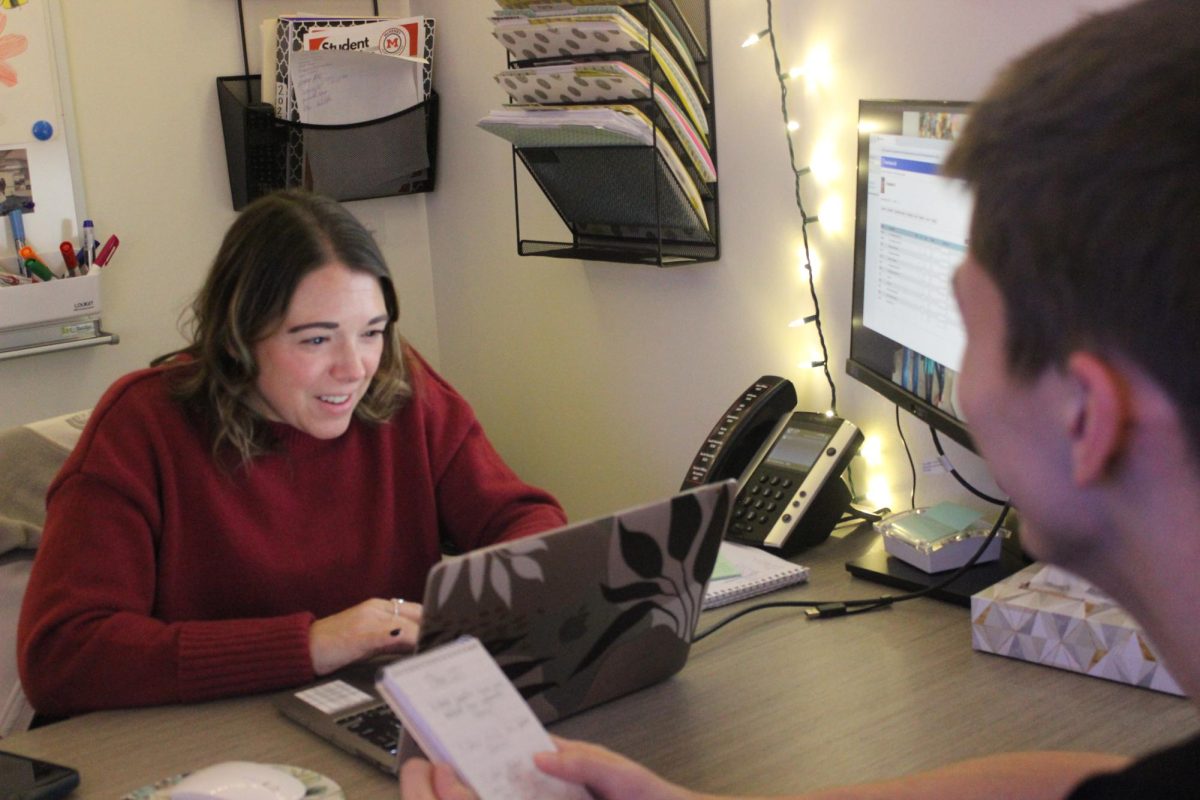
(346, 70)
(670, 21)
(590, 126)
(605, 82)
(350, 71)
(569, 126)
(539, 33)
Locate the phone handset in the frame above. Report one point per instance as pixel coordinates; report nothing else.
(788, 464)
(741, 431)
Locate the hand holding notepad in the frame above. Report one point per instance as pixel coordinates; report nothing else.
(461, 709)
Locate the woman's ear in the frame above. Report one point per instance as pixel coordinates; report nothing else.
(1099, 417)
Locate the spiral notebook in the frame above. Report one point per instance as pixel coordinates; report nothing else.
(743, 571)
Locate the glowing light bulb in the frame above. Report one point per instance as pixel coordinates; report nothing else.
(755, 38)
(878, 491)
(800, 322)
(833, 219)
(871, 451)
(793, 126)
(825, 166)
(818, 68)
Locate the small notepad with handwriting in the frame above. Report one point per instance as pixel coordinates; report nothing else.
(461, 709)
(743, 571)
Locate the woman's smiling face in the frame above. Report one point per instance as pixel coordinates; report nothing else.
(318, 362)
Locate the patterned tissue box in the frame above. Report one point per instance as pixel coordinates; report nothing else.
(1048, 616)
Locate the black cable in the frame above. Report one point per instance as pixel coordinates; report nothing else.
(911, 465)
(822, 609)
(937, 443)
(245, 52)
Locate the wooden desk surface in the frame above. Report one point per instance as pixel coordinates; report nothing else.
(772, 703)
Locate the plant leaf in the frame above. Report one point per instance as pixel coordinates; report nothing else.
(530, 544)
(501, 582)
(685, 524)
(627, 619)
(477, 572)
(527, 568)
(640, 552)
(450, 575)
(632, 591)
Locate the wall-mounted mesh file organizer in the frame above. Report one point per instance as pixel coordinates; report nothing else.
(294, 143)
(620, 204)
(649, 203)
(392, 155)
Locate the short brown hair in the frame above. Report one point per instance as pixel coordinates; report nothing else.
(1083, 161)
(275, 242)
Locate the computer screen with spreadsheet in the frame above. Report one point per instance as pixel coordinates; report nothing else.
(911, 229)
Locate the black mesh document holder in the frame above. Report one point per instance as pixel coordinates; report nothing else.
(392, 155)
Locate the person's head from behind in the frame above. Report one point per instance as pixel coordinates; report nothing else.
(1083, 270)
(295, 324)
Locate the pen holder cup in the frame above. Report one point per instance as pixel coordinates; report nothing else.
(392, 155)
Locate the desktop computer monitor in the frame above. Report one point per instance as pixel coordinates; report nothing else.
(911, 228)
(906, 339)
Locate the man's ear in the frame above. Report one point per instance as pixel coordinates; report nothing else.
(1100, 415)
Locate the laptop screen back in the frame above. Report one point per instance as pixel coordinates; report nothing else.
(589, 612)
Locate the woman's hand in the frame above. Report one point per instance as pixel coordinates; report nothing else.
(371, 628)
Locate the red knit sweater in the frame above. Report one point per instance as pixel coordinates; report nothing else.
(161, 578)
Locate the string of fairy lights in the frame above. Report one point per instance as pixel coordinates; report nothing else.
(786, 77)
(814, 71)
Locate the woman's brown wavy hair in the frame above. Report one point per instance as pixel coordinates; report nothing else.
(274, 243)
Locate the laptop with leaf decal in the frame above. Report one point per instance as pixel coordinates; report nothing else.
(575, 616)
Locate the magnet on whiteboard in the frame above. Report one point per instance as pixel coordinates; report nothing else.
(42, 130)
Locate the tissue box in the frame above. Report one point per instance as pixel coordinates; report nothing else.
(1047, 616)
(47, 313)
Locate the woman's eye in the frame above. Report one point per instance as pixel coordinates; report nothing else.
(317, 340)
(374, 334)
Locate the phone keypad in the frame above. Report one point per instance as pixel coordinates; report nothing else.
(760, 503)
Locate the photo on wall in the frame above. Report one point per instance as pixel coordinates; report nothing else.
(16, 185)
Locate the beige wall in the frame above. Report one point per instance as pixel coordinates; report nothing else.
(596, 380)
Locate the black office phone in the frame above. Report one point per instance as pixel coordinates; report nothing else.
(788, 464)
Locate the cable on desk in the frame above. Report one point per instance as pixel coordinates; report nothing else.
(937, 443)
(823, 609)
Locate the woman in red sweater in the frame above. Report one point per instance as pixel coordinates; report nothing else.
(240, 519)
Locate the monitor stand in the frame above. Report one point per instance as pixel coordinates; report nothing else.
(876, 565)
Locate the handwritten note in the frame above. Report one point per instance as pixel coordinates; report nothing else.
(339, 88)
(461, 709)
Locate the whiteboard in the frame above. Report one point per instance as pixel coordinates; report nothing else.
(35, 88)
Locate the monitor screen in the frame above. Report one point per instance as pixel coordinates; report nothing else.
(911, 227)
